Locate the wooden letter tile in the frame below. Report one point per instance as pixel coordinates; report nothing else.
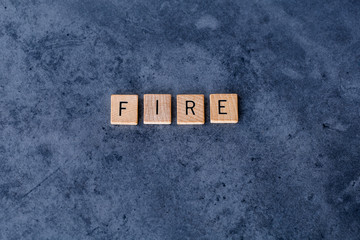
(124, 109)
(224, 108)
(157, 109)
(190, 109)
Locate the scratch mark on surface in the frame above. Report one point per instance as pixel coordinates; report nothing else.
(41, 182)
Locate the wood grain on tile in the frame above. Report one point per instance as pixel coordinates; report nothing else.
(124, 109)
(157, 109)
(224, 108)
(190, 109)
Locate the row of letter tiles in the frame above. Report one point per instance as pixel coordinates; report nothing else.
(190, 109)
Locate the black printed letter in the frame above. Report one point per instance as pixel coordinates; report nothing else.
(121, 107)
(191, 108)
(221, 107)
(157, 107)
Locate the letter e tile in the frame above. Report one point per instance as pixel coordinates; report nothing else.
(224, 108)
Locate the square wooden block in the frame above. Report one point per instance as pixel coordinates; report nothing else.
(224, 108)
(124, 109)
(157, 109)
(190, 109)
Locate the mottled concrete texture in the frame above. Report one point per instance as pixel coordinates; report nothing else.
(290, 169)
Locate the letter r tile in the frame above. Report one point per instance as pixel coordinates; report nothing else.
(190, 109)
(224, 108)
(124, 109)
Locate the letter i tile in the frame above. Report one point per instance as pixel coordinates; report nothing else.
(157, 109)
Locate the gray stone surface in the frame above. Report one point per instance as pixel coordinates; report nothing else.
(290, 169)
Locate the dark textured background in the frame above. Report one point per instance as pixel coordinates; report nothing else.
(290, 169)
